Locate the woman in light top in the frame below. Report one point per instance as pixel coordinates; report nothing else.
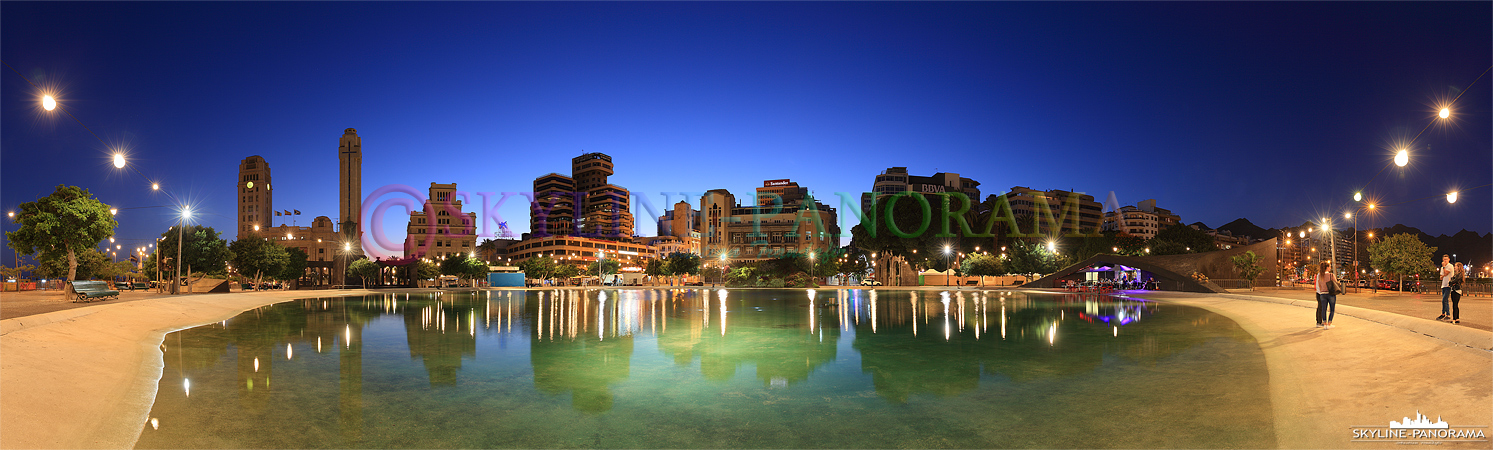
(1326, 298)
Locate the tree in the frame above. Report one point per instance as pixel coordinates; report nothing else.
(1183, 239)
(463, 266)
(657, 268)
(1028, 258)
(537, 268)
(255, 257)
(1401, 254)
(1248, 265)
(982, 265)
(90, 262)
(683, 264)
(363, 269)
(61, 225)
(567, 271)
(203, 251)
(16, 272)
(295, 264)
(422, 270)
(607, 267)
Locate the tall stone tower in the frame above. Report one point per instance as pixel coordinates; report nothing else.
(256, 208)
(350, 157)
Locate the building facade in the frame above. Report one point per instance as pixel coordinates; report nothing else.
(582, 251)
(255, 198)
(896, 180)
(1026, 207)
(320, 242)
(350, 192)
(786, 219)
(1133, 221)
(553, 210)
(582, 204)
(441, 229)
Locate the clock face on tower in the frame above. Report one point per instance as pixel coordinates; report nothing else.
(249, 185)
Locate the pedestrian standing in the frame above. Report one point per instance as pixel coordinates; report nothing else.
(1326, 295)
(1458, 279)
(1446, 273)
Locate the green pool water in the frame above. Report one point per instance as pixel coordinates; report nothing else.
(700, 368)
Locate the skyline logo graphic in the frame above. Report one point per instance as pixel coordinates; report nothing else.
(1420, 430)
(1420, 422)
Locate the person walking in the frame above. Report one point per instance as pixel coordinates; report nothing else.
(1446, 273)
(1326, 295)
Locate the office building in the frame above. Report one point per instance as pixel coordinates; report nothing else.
(896, 180)
(441, 229)
(786, 219)
(1025, 207)
(255, 198)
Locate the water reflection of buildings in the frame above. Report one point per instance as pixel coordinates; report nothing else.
(582, 342)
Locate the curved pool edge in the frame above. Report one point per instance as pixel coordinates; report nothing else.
(88, 380)
(1365, 371)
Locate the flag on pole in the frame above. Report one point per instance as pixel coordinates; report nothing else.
(287, 212)
(297, 212)
(277, 213)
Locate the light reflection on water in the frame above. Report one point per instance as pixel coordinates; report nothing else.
(691, 368)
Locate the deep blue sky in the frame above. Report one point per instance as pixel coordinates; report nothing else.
(1272, 111)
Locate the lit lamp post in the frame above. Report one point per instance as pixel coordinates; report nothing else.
(186, 213)
(947, 267)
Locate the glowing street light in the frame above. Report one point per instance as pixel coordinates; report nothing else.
(155, 186)
(113, 211)
(1402, 158)
(1451, 197)
(1358, 196)
(1445, 112)
(118, 160)
(48, 102)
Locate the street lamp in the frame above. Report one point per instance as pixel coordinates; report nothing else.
(186, 213)
(947, 269)
(1402, 157)
(1451, 197)
(48, 102)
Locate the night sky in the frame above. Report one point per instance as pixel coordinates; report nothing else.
(1276, 112)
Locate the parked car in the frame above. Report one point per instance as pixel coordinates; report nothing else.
(870, 282)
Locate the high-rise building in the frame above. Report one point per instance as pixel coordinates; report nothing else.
(553, 210)
(449, 232)
(680, 221)
(584, 203)
(350, 199)
(896, 180)
(1024, 206)
(1164, 217)
(1133, 221)
(797, 224)
(1144, 220)
(255, 198)
(605, 209)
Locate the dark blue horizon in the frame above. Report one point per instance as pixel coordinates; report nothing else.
(1275, 112)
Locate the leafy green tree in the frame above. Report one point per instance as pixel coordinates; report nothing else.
(90, 262)
(463, 266)
(204, 251)
(257, 258)
(854, 264)
(1248, 265)
(564, 271)
(681, 264)
(61, 225)
(1184, 239)
(1402, 254)
(363, 269)
(742, 276)
(422, 270)
(1030, 258)
(538, 268)
(295, 264)
(607, 267)
(983, 265)
(657, 268)
(16, 272)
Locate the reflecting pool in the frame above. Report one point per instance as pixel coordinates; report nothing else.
(699, 368)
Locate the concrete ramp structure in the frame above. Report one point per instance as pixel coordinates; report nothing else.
(1174, 272)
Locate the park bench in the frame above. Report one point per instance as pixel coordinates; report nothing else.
(89, 290)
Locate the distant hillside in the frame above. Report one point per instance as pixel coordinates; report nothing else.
(1467, 245)
(1243, 227)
